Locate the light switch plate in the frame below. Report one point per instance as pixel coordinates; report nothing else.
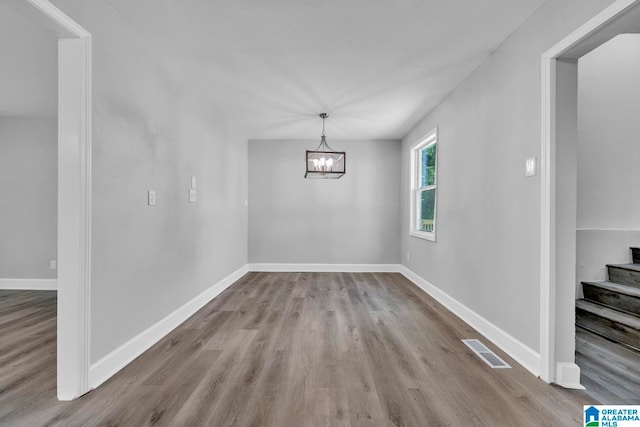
(151, 198)
(530, 167)
(192, 195)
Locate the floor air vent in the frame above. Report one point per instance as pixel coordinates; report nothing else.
(489, 357)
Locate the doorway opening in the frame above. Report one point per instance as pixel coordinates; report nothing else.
(608, 221)
(559, 186)
(28, 208)
(73, 192)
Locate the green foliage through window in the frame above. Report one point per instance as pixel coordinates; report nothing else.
(428, 165)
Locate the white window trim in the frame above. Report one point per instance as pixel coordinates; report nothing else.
(430, 138)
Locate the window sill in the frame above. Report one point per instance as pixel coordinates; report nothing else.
(423, 235)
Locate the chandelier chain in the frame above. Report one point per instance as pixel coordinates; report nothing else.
(324, 116)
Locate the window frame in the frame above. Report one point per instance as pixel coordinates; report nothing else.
(431, 138)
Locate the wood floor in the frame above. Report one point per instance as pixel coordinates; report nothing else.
(286, 349)
(610, 371)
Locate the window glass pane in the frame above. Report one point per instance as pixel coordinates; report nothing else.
(427, 209)
(428, 165)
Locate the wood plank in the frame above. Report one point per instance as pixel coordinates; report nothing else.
(625, 274)
(616, 325)
(281, 349)
(609, 370)
(613, 295)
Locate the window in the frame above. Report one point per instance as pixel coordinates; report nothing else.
(424, 186)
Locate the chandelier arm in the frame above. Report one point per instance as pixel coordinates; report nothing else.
(328, 147)
(324, 146)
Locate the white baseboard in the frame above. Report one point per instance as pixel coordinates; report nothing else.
(109, 365)
(520, 352)
(29, 284)
(307, 268)
(568, 376)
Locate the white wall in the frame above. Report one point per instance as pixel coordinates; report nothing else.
(487, 256)
(28, 71)
(28, 150)
(608, 218)
(153, 131)
(28, 197)
(597, 248)
(608, 134)
(351, 220)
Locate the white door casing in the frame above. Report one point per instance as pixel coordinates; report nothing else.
(74, 194)
(558, 198)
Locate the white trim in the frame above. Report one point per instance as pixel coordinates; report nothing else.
(548, 180)
(307, 268)
(74, 195)
(607, 229)
(74, 216)
(520, 352)
(113, 362)
(590, 28)
(425, 235)
(547, 245)
(60, 19)
(29, 284)
(568, 376)
(427, 139)
(109, 365)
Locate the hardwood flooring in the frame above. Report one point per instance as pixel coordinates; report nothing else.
(608, 370)
(286, 349)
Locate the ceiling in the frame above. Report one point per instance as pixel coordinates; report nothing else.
(270, 66)
(376, 66)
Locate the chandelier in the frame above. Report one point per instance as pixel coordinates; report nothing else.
(323, 162)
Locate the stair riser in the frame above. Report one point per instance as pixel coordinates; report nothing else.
(635, 253)
(624, 277)
(612, 299)
(605, 327)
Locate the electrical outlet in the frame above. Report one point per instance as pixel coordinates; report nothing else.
(408, 256)
(151, 198)
(192, 195)
(53, 264)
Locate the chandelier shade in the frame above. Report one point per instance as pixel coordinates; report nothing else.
(324, 162)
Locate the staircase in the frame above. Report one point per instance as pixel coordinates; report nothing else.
(612, 308)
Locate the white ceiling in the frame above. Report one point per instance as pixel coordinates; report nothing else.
(28, 67)
(376, 66)
(270, 66)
